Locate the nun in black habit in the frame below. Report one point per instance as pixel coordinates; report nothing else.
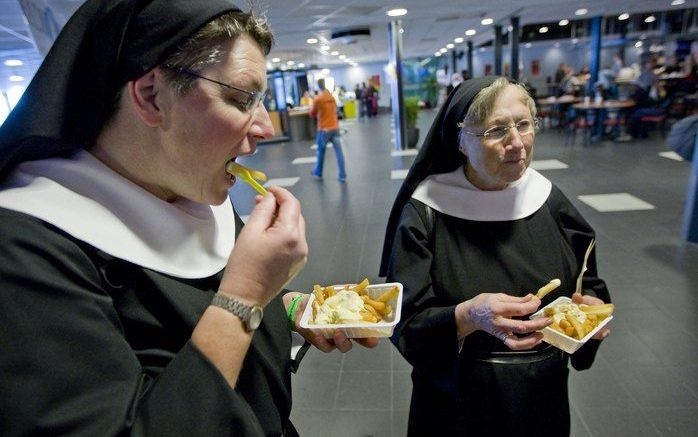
(473, 231)
(129, 289)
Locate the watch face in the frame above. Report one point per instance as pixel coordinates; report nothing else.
(255, 319)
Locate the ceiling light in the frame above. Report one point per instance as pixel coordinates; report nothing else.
(301, 65)
(528, 45)
(678, 2)
(437, 54)
(342, 57)
(13, 63)
(624, 16)
(449, 46)
(458, 40)
(311, 40)
(575, 40)
(486, 21)
(650, 19)
(275, 59)
(325, 71)
(638, 44)
(443, 50)
(325, 47)
(543, 29)
(15, 78)
(290, 62)
(402, 30)
(399, 12)
(470, 32)
(334, 53)
(564, 22)
(581, 11)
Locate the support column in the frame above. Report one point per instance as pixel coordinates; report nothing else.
(514, 48)
(594, 52)
(498, 49)
(395, 57)
(689, 229)
(470, 59)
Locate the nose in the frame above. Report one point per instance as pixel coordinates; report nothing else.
(516, 140)
(262, 128)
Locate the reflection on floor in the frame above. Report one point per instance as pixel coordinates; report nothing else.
(645, 380)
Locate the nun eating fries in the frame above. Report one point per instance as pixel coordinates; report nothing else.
(474, 231)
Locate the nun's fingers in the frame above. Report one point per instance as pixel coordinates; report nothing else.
(523, 343)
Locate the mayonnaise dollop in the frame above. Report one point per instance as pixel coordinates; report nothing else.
(569, 308)
(343, 307)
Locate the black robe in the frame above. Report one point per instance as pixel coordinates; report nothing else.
(469, 392)
(97, 346)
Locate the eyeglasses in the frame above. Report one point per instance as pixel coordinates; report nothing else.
(247, 100)
(497, 133)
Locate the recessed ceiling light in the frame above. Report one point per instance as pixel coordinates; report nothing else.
(443, 50)
(470, 32)
(581, 11)
(399, 12)
(486, 21)
(564, 22)
(543, 29)
(437, 53)
(275, 59)
(311, 40)
(678, 2)
(449, 46)
(638, 44)
(325, 47)
(13, 63)
(623, 16)
(290, 62)
(334, 53)
(528, 45)
(458, 40)
(15, 78)
(402, 30)
(301, 65)
(650, 19)
(325, 71)
(342, 57)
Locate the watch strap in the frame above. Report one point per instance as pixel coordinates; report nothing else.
(235, 307)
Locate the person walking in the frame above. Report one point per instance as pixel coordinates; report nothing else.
(325, 109)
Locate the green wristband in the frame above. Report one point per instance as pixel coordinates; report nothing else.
(292, 311)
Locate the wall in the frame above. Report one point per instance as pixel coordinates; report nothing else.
(350, 76)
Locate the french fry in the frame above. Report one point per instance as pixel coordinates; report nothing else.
(368, 317)
(319, 294)
(378, 306)
(557, 327)
(329, 291)
(373, 312)
(361, 287)
(604, 310)
(385, 297)
(578, 327)
(386, 311)
(547, 288)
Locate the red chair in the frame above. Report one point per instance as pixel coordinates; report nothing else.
(656, 120)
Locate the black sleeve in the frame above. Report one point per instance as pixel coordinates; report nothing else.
(65, 366)
(579, 234)
(426, 335)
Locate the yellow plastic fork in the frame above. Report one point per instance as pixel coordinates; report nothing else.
(248, 175)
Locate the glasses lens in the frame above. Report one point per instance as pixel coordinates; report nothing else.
(524, 127)
(496, 132)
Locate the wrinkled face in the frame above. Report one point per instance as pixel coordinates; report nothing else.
(492, 164)
(207, 127)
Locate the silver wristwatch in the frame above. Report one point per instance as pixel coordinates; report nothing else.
(251, 315)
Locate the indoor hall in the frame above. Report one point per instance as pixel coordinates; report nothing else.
(632, 190)
(643, 382)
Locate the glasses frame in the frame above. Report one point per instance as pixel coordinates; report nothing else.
(487, 133)
(256, 97)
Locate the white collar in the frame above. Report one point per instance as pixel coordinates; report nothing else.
(93, 203)
(452, 194)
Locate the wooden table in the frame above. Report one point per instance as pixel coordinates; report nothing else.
(608, 109)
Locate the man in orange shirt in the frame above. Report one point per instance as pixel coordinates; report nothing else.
(325, 109)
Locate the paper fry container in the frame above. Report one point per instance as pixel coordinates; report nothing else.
(560, 340)
(360, 330)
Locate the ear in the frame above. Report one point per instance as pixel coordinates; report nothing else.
(143, 93)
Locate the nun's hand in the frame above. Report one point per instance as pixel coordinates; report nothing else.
(494, 313)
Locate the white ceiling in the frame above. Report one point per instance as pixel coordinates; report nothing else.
(428, 26)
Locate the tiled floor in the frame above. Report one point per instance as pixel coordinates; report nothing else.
(645, 380)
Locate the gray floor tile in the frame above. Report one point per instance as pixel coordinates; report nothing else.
(655, 387)
(315, 390)
(362, 424)
(364, 391)
(617, 422)
(674, 422)
(402, 390)
(400, 423)
(362, 359)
